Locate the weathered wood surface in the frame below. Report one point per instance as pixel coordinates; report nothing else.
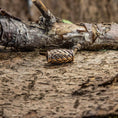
(86, 88)
(15, 33)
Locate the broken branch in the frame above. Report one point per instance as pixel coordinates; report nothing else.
(50, 18)
(15, 33)
(42, 8)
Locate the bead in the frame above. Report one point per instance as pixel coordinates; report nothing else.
(59, 56)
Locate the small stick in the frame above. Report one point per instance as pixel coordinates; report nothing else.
(45, 12)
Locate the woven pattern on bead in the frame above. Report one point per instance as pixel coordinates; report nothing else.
(57, 56)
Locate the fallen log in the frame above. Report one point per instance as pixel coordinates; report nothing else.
(53, 33)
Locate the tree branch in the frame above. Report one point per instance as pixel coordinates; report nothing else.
(42, 8)
(49, 17)
(15, 33)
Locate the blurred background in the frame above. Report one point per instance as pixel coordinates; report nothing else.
(73, 10)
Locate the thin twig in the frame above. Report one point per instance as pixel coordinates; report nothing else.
(45, 12)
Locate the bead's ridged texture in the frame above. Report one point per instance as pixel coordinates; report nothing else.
(58, 56)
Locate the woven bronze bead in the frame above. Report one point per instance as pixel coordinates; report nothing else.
(59, 56)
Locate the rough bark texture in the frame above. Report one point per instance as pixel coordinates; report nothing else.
(31, 87)
(15, 33)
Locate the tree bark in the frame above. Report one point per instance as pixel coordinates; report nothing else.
(17, 34)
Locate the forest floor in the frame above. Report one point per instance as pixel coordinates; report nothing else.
(31, 88)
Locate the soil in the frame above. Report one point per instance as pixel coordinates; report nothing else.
(32, 88)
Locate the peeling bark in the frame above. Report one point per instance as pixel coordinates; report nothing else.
(52, 33)
(15, 33)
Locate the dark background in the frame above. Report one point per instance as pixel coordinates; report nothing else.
(73, 10)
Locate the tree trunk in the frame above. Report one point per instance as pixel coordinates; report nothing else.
(15, 33)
